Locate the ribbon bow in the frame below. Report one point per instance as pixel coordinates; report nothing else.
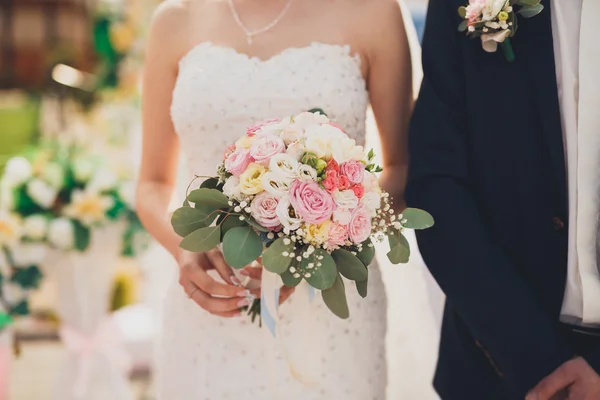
(106, 341)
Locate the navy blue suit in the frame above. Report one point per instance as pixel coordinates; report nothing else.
(487, 161)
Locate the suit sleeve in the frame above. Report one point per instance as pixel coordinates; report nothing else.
(481, 284)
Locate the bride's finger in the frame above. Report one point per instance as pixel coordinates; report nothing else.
(207, 284)
(252, 272)
(218, 261)
(218, 305)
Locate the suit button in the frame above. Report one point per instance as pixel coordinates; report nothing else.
(558, 224)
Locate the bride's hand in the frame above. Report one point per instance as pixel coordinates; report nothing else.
(256, 273)
(222, 299)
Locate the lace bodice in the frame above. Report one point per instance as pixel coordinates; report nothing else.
(220, 91)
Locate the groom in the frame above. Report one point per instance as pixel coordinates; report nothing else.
(506, 157)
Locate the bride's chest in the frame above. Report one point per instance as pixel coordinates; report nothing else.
(218, 86)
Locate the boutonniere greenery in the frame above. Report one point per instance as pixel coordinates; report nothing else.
(495, 21)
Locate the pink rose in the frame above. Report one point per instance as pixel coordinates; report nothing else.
(238, 161)
(344, 183)
(332, 165)
(263, 210)
(354, 170)
(228, 151)
(331, 181)
(253, 129)
(359, 228)
(313, 204)
(266, 147)
(338, 234)
(359, 191)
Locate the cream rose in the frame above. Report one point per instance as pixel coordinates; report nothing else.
(17, 171)
(41, 193)
(345, 199)
(275, 185)
(284, 166)
(35, 227)
(345, 149)
(232, 189)
(61, 234)
(251, 179)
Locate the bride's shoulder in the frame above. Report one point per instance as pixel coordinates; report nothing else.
(170, 14)
(169, 27)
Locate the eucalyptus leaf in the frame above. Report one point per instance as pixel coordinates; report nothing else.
(211, 198)
(527, 2)
(367, 253)
(289, 280)
(317, 111)
(335, 299)
(462, 11)
(349, 265)
(241, 246)
(361, 288)
(530, 11)
(20, 309)
(210, 183)
(417, 219)
(323, 272)
(400, 253)
(82, 235)
(231, 221)
(256, 225)
(273, 258)
(186, 220)
(463, 26)
(202, 240)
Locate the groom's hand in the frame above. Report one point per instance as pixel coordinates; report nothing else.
(575, 377)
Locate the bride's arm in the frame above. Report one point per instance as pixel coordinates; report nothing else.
(390, 88)
(160, 151)
(158, 173)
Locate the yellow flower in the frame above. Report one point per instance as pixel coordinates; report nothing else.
(88, 207)
(245, 142)
(10, 229)
(317, 234)
(251, 179)
(502, 16)
(122, 36)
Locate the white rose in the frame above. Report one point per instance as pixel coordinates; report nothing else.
(41, 193)
(82, 169)
(345, 149)
(327, 130)
(345, 199)
(54, 175)
(103, 180)
(342, 216)
(274, 128)
(17, 171)
(61, 233)
(35, 227)
(10, 229)
(307, 173)
(296, 150)
(372, 201)
(275, 185)
(291, 133)
(318, 145)
(306, 120)
(284, 166)
(231, 188)
(491, 9)
(283, 209)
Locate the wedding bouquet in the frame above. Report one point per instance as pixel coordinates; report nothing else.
(62, 194)
(302, 195)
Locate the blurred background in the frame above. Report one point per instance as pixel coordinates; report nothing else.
(69, 73)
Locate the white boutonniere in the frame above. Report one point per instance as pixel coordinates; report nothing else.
(495, 21)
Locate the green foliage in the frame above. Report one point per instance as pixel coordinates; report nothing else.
(202, 240)
(367, 253)
(209, 198)
(417, 219)
(27, 278)
(530, 11)
(229, 222)
(361, 288)
(323, 272)
(349, 265)
(82, 235)
(399, 248)
(241, 246)
(289, 280)
(274, 259)
(186, 220)
(335, 299)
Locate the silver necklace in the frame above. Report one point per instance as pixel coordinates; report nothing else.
(251, 33)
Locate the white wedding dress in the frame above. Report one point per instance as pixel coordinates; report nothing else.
(202, 357)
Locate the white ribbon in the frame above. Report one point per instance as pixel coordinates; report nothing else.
(106, 341)
(490, 41)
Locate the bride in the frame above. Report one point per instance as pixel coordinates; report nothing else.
(212, 68)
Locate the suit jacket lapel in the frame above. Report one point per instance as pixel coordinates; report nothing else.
(534, 43)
